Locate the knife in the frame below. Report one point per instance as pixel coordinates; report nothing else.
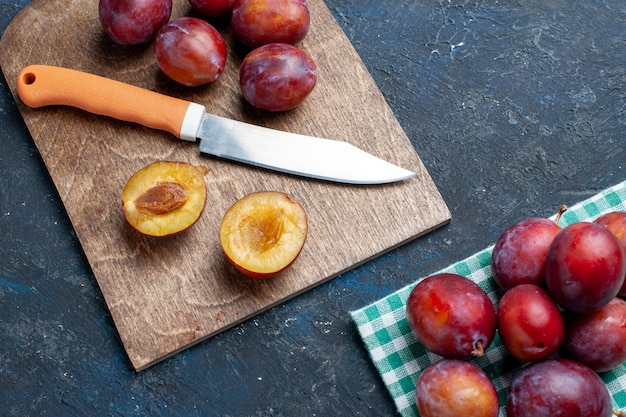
(325, 159)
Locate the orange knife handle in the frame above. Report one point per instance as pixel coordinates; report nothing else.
(43, 85)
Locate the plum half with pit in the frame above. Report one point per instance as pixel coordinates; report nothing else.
(277, 77)
(165, 197)
(263, 233)
(558, 387)
(133, 22)
(585, 267)
(453, 388)
(451, 316)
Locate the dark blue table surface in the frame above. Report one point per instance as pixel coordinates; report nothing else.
(514, 107)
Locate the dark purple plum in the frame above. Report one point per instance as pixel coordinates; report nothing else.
(530, 323)
(451, 315)
(615, 221)
(277, 77)
(558, 387)
(133, 22)
(519, 255)
(190, 51)
(597, 339)
(259, 22)
(453, 388)
(585, 267)
(213, 8)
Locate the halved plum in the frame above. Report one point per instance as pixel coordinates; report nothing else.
(165, 197)
(263, 233)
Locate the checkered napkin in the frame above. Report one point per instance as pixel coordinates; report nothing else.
(399, 358)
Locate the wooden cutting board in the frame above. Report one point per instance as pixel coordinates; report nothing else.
(167, 294)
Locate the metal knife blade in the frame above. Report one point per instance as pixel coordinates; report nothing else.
(331, 160)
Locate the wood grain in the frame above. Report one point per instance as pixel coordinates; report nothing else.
(168, 294)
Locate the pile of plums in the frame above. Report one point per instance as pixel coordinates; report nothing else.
(275, 76)
(560, 313)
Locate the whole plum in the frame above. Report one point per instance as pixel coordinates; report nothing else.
(277, 77)
(451, 316)
(597, 339)
(615, 221)
(453, 388)
(190, 51)
(585, 267)
(213, 8)
(558, 387)
(519, 255)
(259, 22)
(530, 324)
(133, 22)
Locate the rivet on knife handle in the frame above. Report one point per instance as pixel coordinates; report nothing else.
(44, 85)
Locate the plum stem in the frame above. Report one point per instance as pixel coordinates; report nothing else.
(479, 352)
(619, 413)
(562, 210)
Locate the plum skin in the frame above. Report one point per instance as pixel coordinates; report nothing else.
(213, 8)
(259, 22)
(277, 77)
(558, 387)
(519, 254)
(585, 267)
(597, 339)
(615, 221)
(451, 316)
(133, 22)
(530, 324)
(454, 387)
(190, 51)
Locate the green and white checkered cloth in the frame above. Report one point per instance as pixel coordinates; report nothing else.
(399, 358)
